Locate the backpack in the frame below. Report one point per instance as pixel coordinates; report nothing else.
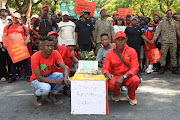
(49, 20)
(21, 26)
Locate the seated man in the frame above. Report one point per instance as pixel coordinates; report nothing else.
(106, 46)
(121, 73)
(43, 77)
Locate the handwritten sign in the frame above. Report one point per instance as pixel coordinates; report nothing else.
(16, 49)
(81, 5)
(88, 97)
(123, 12)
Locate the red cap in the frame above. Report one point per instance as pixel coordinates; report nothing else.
(102, 9)
(119, 18)
(45, 6)
(168, 10)
(151, 23)
(120, 34)
(52, 33)
(155, 14)
(115, 14)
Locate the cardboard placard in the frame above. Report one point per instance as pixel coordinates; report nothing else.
(16, 49)
(89, 97)
(81, 5)
(155, 56)
(123, 12)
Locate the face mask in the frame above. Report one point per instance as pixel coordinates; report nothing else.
(150, 28)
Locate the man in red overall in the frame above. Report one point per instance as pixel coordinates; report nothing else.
(119, 74)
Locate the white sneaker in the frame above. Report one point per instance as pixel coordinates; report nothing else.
(124, 88)
(3, 79)
(150, 69)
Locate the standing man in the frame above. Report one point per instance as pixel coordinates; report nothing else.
(103, 26)
(128, 21)
(3, 52)
(45, 23)
(122, 72)
(114, 16)
(9, 30)
(67, 30)
(168, 30)
(43, 76)
(83, 32)
(156, 19)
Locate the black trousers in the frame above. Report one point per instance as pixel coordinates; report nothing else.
(85, 47)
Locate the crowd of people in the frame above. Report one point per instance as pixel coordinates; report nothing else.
(122, 45)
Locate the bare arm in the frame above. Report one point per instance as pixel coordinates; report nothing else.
(65, 72)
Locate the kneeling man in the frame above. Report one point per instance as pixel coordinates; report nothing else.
(44, 79)
(120, 68)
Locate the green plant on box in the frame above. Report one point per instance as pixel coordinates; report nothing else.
(86, 55)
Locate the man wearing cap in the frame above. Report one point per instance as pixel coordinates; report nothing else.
(156, 19)
(114, 16)
(103, 26)
(3, 51)
(66, 30)
(84, 33)
(168, 30)
(122, 72)
(45, 22)
(11, 29)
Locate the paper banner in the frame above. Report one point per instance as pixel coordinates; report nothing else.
(71, 8)
(155, 56)
(123, 12)
(63, 6)
(16, 49)
(84, 5)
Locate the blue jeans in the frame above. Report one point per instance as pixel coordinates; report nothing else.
(44, 88)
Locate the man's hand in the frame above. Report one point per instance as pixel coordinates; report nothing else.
(147, 47)
(25, 43)
(93, 44)
(60, 82)
(151, 41)
(109, 76)
(76, 66)
(119, 81)
(67, 82)
(1, 45)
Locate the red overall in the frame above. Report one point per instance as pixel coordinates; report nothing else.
(113, 65)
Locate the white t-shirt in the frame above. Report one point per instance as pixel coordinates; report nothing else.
(66, 33)
(3, 23)
(119, 28)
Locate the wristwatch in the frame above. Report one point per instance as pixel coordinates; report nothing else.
(124, 76)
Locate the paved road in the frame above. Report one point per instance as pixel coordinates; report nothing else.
(158, 99)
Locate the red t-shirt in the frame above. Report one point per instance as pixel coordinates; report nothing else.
(127, 25)
(66, 54)
(45, 65)
(13, 29)
(178, 40)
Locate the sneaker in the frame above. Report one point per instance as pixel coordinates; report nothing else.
(124, 88)
(133, 102)
(37, 100)
(12, 79)
(3, 79)
(115, 98)
(28, 78)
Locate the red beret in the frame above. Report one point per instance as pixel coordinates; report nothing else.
(115, 14)
(155, 14)
(151, 23)
(107, 14)
(102, 10)
(168, 10)
(45, 6)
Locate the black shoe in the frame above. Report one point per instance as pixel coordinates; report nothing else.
(161, 71)
(67, 91)
(37, 100)
(12, 80)
(28, 78)
(175, 71)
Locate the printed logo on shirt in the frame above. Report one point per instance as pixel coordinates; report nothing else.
(127, 57)
(43, 67)
(88, 25)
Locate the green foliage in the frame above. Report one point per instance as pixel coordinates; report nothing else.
(85, 55)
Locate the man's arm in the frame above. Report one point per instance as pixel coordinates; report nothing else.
(93, 41)
(74, 59)
(177, 31)
(27, 39)
(4, 36)
(112, 31)
(65, 72)
(146, 39)
(158, 32)
(76, 39)
(40, 78)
